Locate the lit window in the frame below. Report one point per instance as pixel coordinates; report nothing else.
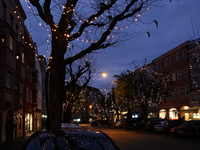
(174, 76)
(23, 58)
(11, 42)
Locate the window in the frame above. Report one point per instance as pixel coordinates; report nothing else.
(174, 93)
(27, 94)
(161, 64)
(187, 88)
(156, 66)
(23, 58)
(11, 42)
(184, 52)
(8, 80)
(4, 10)
(178, 57)
(186, 72)
(172, 59)
(11, 20)
(174, 76)
(166, 62)
(179, 75)
(31, 96)
(180, 91)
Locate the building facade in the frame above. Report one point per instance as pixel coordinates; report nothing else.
(12, 67)
(175, 63)
(21, 76)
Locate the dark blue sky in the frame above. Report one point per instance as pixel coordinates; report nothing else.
(178, 21)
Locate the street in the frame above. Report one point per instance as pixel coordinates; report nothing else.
(130, 140)
(143, 140)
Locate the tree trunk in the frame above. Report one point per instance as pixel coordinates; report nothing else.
(67, 114)
(57, 78)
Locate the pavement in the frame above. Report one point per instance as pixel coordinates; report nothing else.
(16, 144)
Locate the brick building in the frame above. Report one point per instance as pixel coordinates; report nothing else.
(176, 63)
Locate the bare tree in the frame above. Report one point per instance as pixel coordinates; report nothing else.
(97, 23)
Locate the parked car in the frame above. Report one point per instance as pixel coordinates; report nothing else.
(69, 140)
(189, 128)
(149, 125)
(70, 126)
(159, 126)
(170, 125)
(133, 123)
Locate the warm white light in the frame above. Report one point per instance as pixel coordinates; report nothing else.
(104, 74)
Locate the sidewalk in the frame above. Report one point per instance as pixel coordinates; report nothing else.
(17, 143)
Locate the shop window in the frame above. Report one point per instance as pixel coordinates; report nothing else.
(162, 113)
(173, 114)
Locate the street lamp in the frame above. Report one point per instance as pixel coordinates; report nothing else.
(104, 74)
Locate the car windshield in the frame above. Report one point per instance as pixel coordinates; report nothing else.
(48, 141)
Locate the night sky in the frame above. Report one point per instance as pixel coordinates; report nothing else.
(178, 21)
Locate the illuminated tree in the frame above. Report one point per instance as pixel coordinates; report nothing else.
(98, 24)
(76, 81)
(143, 88)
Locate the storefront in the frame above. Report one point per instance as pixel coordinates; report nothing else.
(191, 113)
(28, 122)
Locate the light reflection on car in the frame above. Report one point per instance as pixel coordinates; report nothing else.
(70, 140)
